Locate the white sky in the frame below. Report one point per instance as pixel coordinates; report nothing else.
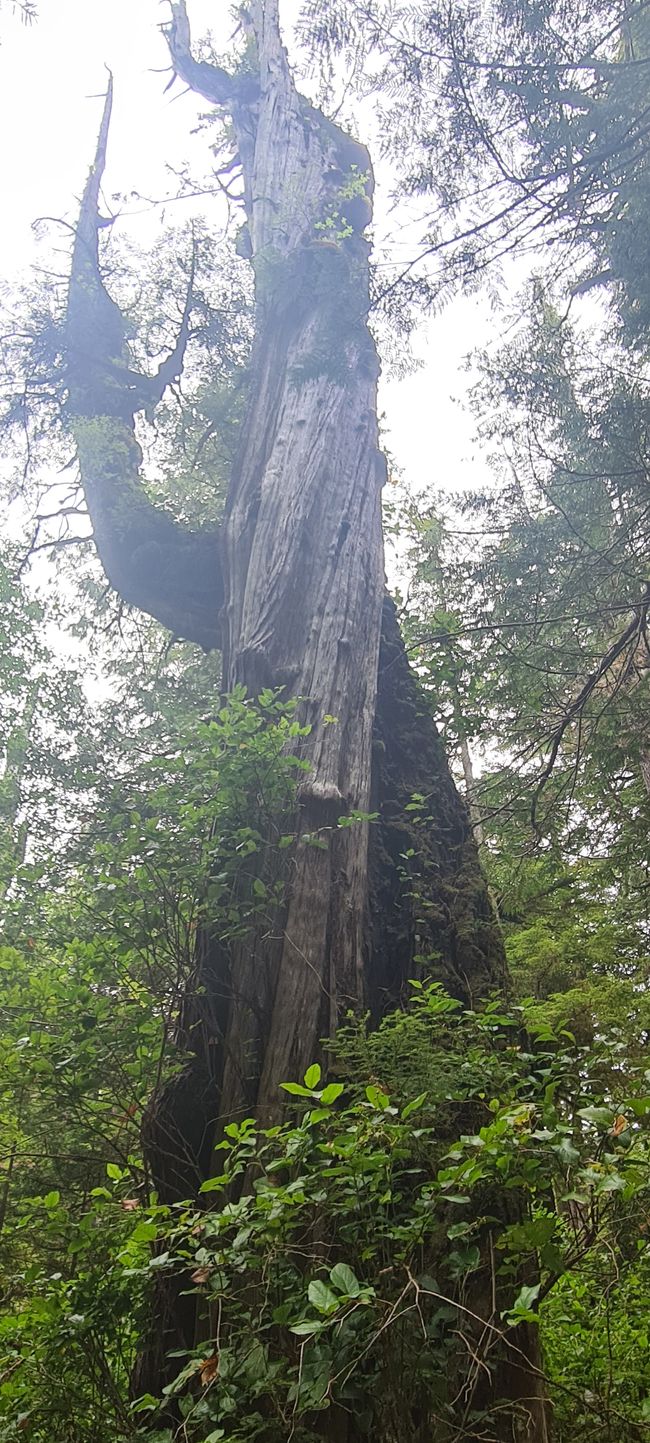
(49, 74)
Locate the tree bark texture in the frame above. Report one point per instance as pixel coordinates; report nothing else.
(291, 587)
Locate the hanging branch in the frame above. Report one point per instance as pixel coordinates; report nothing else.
(153, 562)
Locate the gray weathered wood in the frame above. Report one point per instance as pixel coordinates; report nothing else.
(302, 553)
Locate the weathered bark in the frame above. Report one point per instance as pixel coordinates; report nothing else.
(302, 548)
(291, 588)
(151, 561)
(438, 914)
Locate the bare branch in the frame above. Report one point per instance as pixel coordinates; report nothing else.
(210, 81)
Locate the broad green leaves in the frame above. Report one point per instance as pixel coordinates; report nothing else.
(366, 1216)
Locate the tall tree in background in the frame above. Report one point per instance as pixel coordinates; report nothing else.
(290, 587)
(532, 607)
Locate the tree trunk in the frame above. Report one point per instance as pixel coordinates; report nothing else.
(14, 831)
(292, 589)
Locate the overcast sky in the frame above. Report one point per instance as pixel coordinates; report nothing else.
(51, 75)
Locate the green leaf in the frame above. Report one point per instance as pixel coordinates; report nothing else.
(377, 1097)
(463, 1261)
(601, 1116)
(215, 1184)
(146, 1404)
(413, 1106)
(331, 1093)
(525, 1298)
(612, 1182)
(567, 1153)
(322, 1297)
(160, 1261)
(640, 1106)
(344, 1280)
(144, 1233)
(312, 1076)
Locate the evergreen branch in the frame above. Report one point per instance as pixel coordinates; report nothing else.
(634, 629)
